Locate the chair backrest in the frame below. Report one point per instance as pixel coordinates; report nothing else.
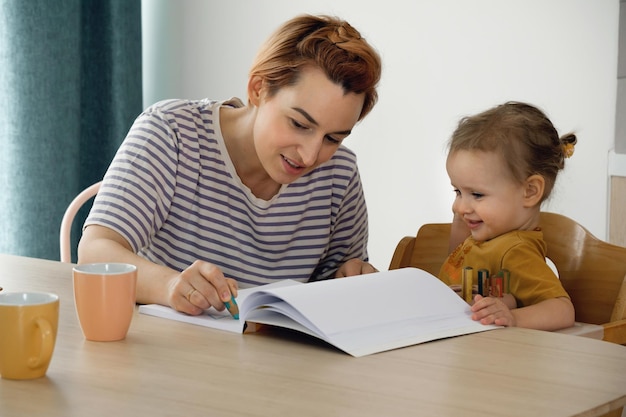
(592, 271)
(65, 231)
(427, 250)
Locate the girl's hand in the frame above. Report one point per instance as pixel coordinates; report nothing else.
(491, 310)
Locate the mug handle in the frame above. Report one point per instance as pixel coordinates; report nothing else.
(47, 344)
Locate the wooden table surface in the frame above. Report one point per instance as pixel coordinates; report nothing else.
(168, 368)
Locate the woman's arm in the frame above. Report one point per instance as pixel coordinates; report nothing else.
(193, 290)
(101, 244)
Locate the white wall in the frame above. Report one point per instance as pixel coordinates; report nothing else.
(442, 60)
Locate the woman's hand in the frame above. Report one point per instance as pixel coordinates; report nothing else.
(354, 266)
(200, 286)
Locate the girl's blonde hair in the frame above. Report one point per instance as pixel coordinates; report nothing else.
(523, 135)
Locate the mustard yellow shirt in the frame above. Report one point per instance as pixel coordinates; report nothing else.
(523, 253)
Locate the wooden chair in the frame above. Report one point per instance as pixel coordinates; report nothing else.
(68, 219)
(592, 271)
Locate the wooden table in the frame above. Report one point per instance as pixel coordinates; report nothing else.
(168, 368)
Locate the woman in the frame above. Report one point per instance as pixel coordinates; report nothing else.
(205, 195)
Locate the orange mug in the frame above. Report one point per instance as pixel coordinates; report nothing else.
(28, 331)
(104, 294)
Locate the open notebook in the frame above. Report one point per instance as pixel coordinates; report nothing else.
(360, 315)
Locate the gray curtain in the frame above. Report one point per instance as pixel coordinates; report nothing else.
(70, 87)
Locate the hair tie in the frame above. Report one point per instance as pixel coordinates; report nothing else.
(568, 149)
(567, 144)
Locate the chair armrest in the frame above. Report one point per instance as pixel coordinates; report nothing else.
(615, 332)
(402, 255)
(594, 331)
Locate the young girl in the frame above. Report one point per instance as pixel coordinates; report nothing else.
(503, 164)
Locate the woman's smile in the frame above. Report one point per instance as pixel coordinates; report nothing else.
(291, 167)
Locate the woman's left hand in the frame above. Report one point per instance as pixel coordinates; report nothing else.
(354, 266)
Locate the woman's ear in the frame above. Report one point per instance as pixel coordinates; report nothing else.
(534, 188)
(255, 87)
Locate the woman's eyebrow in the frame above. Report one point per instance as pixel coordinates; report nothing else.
(306, 115)
(313, 121)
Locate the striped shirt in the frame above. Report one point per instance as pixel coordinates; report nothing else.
(172, 192)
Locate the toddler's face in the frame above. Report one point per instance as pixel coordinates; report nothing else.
(488, 199)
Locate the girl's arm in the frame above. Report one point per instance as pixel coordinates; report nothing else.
(551, 314)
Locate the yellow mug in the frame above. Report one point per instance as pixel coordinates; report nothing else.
(28, 331)
(104, 294)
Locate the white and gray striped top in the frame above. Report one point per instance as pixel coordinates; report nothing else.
(173, 193)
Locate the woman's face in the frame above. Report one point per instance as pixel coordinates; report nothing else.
(302, 125)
